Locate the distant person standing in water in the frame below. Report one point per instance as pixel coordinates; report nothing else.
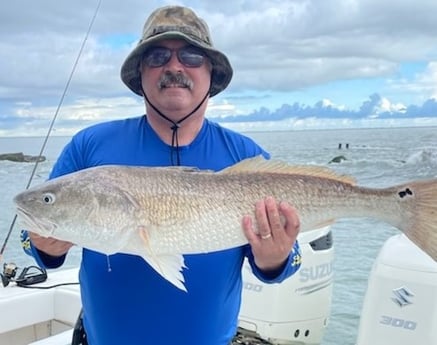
(176, 69)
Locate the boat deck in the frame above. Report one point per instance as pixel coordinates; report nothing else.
(32, 314)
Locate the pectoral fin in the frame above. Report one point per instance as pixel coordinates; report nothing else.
(168, 266)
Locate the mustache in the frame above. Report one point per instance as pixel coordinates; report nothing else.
(179, 79)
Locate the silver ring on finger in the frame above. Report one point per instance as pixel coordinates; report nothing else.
(265, 237)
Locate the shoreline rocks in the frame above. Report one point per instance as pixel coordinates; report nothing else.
(337, 159)
(21, 157)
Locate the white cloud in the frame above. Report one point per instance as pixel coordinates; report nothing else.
(220, 109)
(277, 45)
(423, 84)
(315, 123)
(427, 80)
(386, 105)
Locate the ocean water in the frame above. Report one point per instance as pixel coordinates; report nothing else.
(375, 157)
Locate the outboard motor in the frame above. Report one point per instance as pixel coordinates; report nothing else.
(400, 306)
(296, 311)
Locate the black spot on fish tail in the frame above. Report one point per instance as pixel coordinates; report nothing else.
(405, 192)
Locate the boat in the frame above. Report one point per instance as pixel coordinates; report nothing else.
(400, 304)
(41, 314)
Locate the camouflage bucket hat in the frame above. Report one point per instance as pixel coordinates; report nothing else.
(175, 22)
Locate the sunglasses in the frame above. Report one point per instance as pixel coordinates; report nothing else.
(189, 56)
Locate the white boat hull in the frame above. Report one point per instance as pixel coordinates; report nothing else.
(32, 316)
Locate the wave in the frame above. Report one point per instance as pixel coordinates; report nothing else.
(425, 157)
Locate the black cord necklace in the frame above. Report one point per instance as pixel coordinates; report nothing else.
(175, 125)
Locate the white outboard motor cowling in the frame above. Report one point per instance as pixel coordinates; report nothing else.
(296, 311)
(400, 306)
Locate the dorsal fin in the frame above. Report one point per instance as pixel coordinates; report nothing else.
(260, 164)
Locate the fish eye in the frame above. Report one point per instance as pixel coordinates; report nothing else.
(48, 198)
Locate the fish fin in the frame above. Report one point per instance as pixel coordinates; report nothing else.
(184, 169)
(260, 164)
(168, 266)
(419, 221)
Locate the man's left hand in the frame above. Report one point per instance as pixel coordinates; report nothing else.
(273, 237)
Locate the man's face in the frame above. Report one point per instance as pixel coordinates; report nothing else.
(175, 87)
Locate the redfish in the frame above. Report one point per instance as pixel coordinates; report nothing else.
(161, 213)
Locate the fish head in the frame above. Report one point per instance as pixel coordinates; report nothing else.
(51, 205)
(89, 201)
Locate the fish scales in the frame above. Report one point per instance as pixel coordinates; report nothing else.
(162, 213)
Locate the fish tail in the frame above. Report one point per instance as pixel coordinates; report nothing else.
(419, 213)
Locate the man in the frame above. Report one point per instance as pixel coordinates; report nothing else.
(176, 69)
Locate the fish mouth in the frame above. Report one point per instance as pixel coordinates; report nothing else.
(43, 227)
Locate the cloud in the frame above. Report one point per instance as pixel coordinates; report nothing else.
(276, 46)
(424, 83)
(293, 44)
(300, 44)
(71, 118)
(375, 107)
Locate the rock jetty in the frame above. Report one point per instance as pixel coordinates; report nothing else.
(337, 159)
(21, 157)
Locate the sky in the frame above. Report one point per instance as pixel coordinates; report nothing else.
(298, 63)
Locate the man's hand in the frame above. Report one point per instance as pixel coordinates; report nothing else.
(277, 230)
(50, 245)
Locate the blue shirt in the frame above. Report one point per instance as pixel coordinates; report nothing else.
(124, 300)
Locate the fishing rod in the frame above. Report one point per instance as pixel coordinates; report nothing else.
(46, 138)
